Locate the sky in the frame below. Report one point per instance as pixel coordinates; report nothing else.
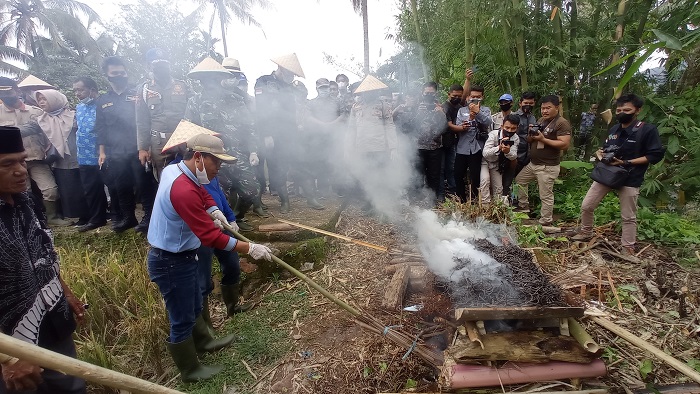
(307, 27)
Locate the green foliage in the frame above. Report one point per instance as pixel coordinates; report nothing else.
(694, 363)
(667, 228)
(645, 368)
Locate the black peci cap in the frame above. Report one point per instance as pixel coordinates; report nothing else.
(11, 140)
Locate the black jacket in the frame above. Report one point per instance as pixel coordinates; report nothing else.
(644, 142)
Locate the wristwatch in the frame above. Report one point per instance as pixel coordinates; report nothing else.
(627, 163)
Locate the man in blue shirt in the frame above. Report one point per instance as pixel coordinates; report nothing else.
(85, 89)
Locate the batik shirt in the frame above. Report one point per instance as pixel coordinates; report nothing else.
(33, 307)
(86, 136)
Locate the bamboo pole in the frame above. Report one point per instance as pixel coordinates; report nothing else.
(580, 334)
(299, 275)
(343, 237)
(12, 347)
(642, 344)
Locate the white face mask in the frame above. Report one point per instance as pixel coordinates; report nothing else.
(202, 174)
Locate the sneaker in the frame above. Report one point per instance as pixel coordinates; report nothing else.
(582, 236)
(629, 251)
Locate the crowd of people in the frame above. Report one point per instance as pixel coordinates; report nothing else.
(198, 163)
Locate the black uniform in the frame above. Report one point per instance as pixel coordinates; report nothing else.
(115, 125)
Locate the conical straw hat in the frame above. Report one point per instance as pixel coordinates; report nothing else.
(34, 83)
(183, 132)
(208, 66)
(370, 83)
(607, 116)
(291, 63)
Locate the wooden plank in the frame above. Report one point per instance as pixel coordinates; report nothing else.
(276, 227)
(393, 297)
(521, 346)
(390, 269)
(525, 312)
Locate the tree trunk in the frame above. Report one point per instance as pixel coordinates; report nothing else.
(644, 12)
(520, 42)
(419, 38)
(559, 41)
(223, 35)
(365, 29)
(619, 33)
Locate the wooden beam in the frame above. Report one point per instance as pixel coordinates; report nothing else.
(276, 227)
(393, 297)
(521, 346)
(525, 312)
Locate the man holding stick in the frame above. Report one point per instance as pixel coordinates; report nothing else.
(36, 306)
(180, 224)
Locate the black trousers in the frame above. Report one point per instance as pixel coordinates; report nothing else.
(126, 175)
(54, 381)
(472, 163)
(94, 194)
(429, 166)
(510, 174)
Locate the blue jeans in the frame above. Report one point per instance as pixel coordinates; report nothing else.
(448, 170)
(230, 268)
(176, 277)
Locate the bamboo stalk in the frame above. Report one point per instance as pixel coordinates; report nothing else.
(473, 333)
(642, 344)
(614, 290)
(92, 373)
(330, 234)
(579, 333)
(299, 275)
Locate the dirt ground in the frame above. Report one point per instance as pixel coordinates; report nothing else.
(659, 301)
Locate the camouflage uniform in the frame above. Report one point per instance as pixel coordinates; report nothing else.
(158, 112)
(227, 114)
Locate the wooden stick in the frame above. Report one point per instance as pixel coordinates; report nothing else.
(395, 291)
(614, 290)
(92, 373)
(343, 237)
(300, 275)
(642, 344)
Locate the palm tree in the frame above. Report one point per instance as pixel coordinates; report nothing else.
(361, 7)
(225, 10)
(23, 22)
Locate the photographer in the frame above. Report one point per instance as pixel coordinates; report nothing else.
(429, 122)
(633, 145)
(547, 140)
(527, 104)
(500, 154)
(475, 122)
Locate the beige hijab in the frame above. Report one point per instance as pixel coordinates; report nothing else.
(57, 120)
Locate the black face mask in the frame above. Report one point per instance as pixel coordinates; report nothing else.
(161, 72)
(506, 107)
(455, 100)
(624, 118)
(10, 102)
(119, 81)
(526, 108)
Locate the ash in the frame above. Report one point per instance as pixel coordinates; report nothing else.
(511, 278)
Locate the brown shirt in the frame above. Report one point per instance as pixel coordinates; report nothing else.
(541, 154)
(34, 144)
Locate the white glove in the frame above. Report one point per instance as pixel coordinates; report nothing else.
(258, 252)
(218, 224)
(254, 161)
(218, 215)
(269, 142)
(234, 225)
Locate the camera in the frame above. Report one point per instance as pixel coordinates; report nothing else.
(535, 129)
(474, 101)
(609, 153)
(508, 142)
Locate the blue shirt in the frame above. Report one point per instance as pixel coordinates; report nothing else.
(214, 188)
(86, 137)
(468, 144)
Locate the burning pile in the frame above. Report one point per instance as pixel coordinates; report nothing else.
(510, 279)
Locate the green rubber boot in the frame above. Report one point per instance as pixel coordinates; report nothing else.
(185, 356)
(230, 294)
(204, 341)
(206, 316)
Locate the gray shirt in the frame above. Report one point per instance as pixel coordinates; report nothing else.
(468, 144)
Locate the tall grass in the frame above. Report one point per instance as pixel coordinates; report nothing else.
(126, 325)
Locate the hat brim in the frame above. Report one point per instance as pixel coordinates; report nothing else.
(196, 74)
(224, 157)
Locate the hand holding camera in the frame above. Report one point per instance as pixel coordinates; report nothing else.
(474, 106)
